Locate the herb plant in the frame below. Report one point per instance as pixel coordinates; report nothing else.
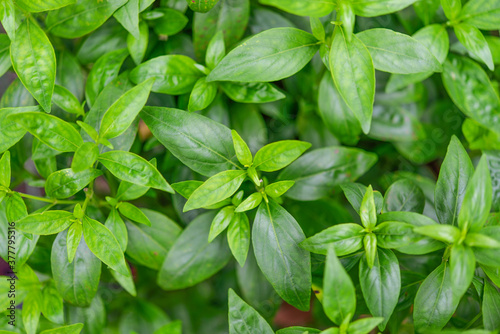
(206, 166)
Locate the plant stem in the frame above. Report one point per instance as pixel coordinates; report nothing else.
(476, 318)
(47, 200)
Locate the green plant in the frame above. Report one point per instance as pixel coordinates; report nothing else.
(203, 147)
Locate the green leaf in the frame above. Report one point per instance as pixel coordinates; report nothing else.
(8, 17)
(348, 18)
(189, 137)
(105, 70)
(349, 61)
(241, 148)
(303, 8)
(122, 113)
(5, 171)
(104, 245)
(65, 183)
(481, 241)
(243, 319)
(474, 41)
(221, 222)
(137, 46)
(336, 115)
(170, 23)
(5, 62)
(392, 234)
(491, 307)
(368, 210)
(216, 50)
(202, 95)
(339, 295)
(487, 256)
(398, 53)
(50, 130)
(462, 267)
(404, 195)
(115, 224)
(65, 100)
(354, 192)
(134, 169)
(220, 18)
(70, 329)
(276, 237)
(298, 330)
(127, 282)
(344, 238)
(174, 74)
(251, 92)
(43, 5)
(470, 88)
(85, 157)
(133, 213)
(77, 281)
(454, 175)
(381, 284)
(128, 16)
(79, 19)
(271, 55)
(89, 130)
(277, 189)
(48, 222)
(192, 258)
(174, 327)
(435, 301)
(370, 8)
(482, 14)
(278, 155)
(73, 238)
(445, 233)
(52, 304)
(201, 6)
(238, 237)
(251, 202)
(451, 8)
(34, 61)
(31, 311)
(364, 326)
(186, 188)
(476, 204)
(370, 245)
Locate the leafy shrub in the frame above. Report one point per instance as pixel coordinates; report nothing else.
(207, 152)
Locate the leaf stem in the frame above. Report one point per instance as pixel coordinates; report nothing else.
(47, 200)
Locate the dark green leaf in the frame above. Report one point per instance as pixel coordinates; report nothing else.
(52, 305)
(462, 266)
(395, 234)
(243, 319)
(238, 237)
(216, 50)
(491, 307)
(201, 6)
(252, 92)
(170, 23)
(404, 195)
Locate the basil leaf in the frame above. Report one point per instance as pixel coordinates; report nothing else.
(50, 130)
(487, 256)
(243, 153)
(404, 195)
(52, 304)
(134, 169)
(105, 70)
(252, 92)
(77, 281)
(5, 170)
(335, 113)
(398, 53)
(73, 238)
(243, 319)
(5, 62)
(216, 50)
(48, 222)
(251, 202)
(462, 267)
(491, 307)
(216, 189)
(354, 192)
(8, 18)
(271, 55)
(313, 171)
(381, 284)
(115, 224)
(451, 8)
(277, 189)
(444, 233)
(65, 183)
(122, 113)
(10, 131)
(174, 74)
(370, 244)
(482, 14)
(364, 326)
(42, 6)
(202, 95)
(435, 301)
(303, 8)
(298, 330)
(276, 237)
(34, 61)
(85, 157)
(476, 204)
(220, 222)
(202, 6)
(133, 213)
(278, 155)
(148, 246)
(170, 23)
(339, 296)
(65, 100)
(137, 45)
(31, 311)
(349, 60)
(474, 41)
(192, 258)
(190, 138)
(368, 210)
(79, 19)
(370, 8)
(71, 329)
(238, 237)
(463, 77)
(344, 238)
(395, 234)
(128, 16)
